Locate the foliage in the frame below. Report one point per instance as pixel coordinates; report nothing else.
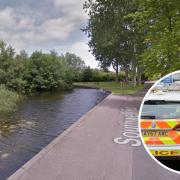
(74, 61)
(46, 72)
(76, 64)
(160, 21)
(112, 34)
(87, 74)
(139, 36)
(101, 76)
(39, 72)
(8, 100)
(97, 75)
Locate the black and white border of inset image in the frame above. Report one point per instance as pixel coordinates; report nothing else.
(139, 121)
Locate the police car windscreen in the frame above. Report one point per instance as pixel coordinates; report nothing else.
(160, 110)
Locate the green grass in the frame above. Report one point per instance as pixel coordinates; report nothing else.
(8, 100)
(114, 87)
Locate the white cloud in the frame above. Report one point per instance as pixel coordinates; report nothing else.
(81, 49)
(6, 17)
(57, 28)
(31, 28)
(15, 26)
(68, 5)
(11, 21)
(72, 9)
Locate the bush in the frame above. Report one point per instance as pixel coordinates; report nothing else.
(45, 72)
(40, 72)
(87, 74)
(8, 100)
(121, 76)
(101, 76)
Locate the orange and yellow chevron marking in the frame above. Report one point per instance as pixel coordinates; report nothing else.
(146, 124)
(172, 137)
(153, 141)
(160, 124)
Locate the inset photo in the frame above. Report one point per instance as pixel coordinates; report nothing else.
(159, 121)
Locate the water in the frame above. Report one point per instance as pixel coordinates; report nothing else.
(38, 121)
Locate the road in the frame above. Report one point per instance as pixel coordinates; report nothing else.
(103, 145)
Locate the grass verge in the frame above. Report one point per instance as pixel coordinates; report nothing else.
(114, 87)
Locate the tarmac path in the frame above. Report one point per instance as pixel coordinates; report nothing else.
(103, 145)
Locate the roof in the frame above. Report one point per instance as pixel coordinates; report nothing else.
(167, 96)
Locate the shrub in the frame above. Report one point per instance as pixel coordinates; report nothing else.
(46, 72)
(8, 100)
(87, 74)
(101, 76)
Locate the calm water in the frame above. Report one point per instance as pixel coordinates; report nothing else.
(38, 121)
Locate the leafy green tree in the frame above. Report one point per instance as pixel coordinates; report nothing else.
(11, 70)
(6, 56)
(76, 64)
(46, 72)
(160, 20)
(15, 76)
(111, 33)
(39, 72)
(23, 55)
(74, 61)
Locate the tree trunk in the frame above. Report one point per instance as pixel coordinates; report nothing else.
(134, 80)
(117, 75)
(134, 65)
(134, 74)
(115, 65)
(139, 79)
(139, 73)
(126, 74)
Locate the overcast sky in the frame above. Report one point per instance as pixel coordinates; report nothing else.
(45, 25)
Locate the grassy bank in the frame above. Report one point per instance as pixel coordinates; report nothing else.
(8, 100)
(114, 87)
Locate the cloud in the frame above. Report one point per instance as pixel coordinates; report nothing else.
(51, 24)
(6, 17)
(12, 27)
(19, 27)
(81, 49)
(72, 8)
(69, 5)
(11, 21)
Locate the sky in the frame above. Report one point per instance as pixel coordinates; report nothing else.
(45, 25)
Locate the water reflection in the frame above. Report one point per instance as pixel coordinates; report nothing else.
(38, 121)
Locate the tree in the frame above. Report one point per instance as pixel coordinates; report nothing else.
(23, 55)
(111, 33)
(160, 21)
(47, 72)
(39, 72)
(6, 56)
(76, 64)
(74, 61)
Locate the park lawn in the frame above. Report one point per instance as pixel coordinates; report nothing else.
(114, 87)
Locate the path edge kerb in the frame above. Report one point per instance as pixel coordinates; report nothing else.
(17, 174)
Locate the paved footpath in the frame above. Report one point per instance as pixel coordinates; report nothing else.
(103, 145)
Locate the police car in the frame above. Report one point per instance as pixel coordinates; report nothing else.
(160, 124)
